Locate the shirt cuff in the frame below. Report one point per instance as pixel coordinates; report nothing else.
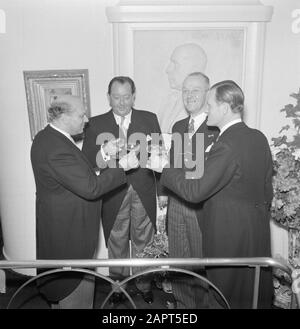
(106, 157)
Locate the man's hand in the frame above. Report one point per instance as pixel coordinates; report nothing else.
(112, 147)
(129, 161)
(157, 162)
(162, 201)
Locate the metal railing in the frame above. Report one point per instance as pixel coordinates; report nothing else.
(157, 265)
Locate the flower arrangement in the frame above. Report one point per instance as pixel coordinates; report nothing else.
(285, 208)
(158, 248)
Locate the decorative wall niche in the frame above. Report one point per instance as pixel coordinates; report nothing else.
(230, 34)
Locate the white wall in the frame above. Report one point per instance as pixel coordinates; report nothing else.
(281, 78)
(41, 35)
(75, 34)
(282, 65)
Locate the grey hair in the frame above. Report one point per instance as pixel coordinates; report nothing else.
(200, 75)
(57, 108)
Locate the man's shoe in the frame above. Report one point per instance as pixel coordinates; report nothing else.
(148, 297)
(116, 298)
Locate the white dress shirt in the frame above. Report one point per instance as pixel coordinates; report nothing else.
(126, 123)
(127, 119)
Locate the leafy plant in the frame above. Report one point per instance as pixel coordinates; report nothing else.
(286, 181)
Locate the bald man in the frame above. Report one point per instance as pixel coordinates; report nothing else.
(185, 59)
(67, 206)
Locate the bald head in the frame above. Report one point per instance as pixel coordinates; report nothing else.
(62, 104)
(67, 112)
(185, 59)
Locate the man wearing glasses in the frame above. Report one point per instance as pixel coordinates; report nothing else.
(184, 219)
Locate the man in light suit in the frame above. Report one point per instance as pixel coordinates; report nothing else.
(129, 212)
(237, 189)
(67, 201)
(184, 218)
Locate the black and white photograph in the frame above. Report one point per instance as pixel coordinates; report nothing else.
(150, 157)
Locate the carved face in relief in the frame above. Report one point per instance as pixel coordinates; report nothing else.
(185, 59)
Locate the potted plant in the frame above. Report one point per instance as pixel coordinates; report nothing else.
(159, 248)
(285, 210)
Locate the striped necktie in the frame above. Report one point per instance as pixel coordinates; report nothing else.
(123, 130)
(191, 128)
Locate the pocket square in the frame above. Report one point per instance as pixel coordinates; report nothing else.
(209, 147)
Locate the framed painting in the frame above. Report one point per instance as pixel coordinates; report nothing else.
(42, 86)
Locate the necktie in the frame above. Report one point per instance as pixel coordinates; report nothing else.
(191, 128)
(123, 131)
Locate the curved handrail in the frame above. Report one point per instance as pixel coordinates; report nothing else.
(162, 263)
(117, 285)
(112, 282)
(143, 262)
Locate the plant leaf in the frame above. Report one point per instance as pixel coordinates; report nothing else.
(296, 142)
(296, 123)
(290, 111)
(279, 140)
(287, 127)
(297, 96)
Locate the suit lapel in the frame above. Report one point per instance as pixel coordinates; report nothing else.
(202, 129)
(136, 124)
(70, 144)
(185, 126)
(111, 125)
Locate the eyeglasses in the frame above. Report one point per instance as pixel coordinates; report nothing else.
(194, 92)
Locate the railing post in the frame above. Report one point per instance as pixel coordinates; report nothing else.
(256, 287)
(2, 282)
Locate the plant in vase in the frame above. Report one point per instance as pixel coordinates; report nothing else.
(285, 208)
(159, 248)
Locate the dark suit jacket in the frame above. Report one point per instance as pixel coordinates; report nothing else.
(67, 214)
(210, 135)
(237, 190)
(142, 179)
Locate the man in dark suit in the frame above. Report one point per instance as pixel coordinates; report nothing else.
(67, 201)
(129, 212)
(184, 218)
(237, 189)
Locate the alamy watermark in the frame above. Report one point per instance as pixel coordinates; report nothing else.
(183, 154)
(296, 21)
